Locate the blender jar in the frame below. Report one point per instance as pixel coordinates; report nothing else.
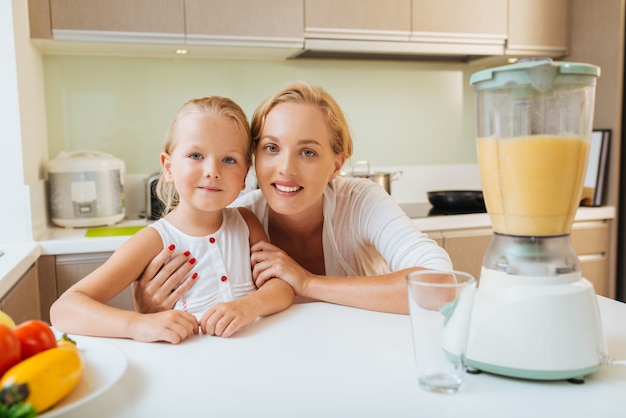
(533, 134)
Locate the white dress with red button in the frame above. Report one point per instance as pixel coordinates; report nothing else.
(222, 262)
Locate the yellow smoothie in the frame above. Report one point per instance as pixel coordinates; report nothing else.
(532, 185)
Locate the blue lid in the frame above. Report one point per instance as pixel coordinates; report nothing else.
(539, 72)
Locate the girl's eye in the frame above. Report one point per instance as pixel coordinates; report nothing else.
(195, 156)
(229, 160)
(308, 153)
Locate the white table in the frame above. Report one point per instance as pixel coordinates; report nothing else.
(323, 360)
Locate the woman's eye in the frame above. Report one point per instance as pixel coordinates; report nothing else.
(271, 148)
(308, 153)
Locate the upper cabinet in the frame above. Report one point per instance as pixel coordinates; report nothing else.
(244, 22)
(463, 30)
(158, 21)
(202, 23)
(365, 19)
(475, 27)
(405, 27)
(538, 28)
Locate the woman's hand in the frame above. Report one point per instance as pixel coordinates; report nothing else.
(169, 326)
(163, 282)
(269, 261)
(224, 319)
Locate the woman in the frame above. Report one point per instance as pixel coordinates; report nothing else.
(334, 239)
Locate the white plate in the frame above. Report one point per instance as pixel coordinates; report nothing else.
(104, 364)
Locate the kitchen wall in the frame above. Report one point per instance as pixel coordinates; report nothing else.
(401, 113)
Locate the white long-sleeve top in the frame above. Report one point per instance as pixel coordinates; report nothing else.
(365, 232)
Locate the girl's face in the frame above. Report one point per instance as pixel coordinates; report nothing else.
(294, 160)
(207, 163)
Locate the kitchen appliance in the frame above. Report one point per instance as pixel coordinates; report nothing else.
(154, 206)
(534, 314)
(361, 169)
(86, 189)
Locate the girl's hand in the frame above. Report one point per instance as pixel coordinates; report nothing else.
(169, 326)
(224, 319)
(269, 261)
(163, 282)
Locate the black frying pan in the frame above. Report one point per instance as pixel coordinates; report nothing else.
(457, 200)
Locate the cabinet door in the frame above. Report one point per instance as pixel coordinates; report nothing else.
(467, 248)
(157, 16)
(277, 19)
(71, 268)
(538, 27)
(352, 17)
(22, 301)
(487, 17)
(591, 241)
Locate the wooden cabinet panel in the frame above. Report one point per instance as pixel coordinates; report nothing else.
(467, 248)
(453, 16)
(39, 19)
(591, 237)
(47, 284)
(367, 15)
(22, 301)
(71, 268)
(162, 16)
(538, 27)
(596, 270)
(241, 18)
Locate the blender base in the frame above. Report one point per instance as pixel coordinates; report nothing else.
(535, 328)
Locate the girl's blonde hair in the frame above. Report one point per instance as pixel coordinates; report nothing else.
(302, 92)
(212, 106)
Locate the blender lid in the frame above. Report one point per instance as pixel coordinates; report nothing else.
(538, 72)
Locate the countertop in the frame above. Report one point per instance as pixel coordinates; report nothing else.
(58, 241)
(324, 360)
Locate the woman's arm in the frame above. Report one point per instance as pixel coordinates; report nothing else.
(82, 309)
(385, 293)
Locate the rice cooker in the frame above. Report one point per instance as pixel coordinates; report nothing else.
(85, 189)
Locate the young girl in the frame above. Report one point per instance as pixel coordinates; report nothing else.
(207, 156)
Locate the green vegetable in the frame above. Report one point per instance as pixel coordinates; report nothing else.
(18, 410)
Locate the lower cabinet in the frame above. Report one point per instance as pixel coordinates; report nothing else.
(64, 270)
(22, 301)
(591, 241)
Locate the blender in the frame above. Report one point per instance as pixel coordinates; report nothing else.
(534, 316)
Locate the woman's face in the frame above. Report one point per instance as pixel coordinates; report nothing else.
(294, 159)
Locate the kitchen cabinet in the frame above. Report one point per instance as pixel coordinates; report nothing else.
(365, 19)
(107, 20)
(244, 22)
(22, 301)
(481, 21)
(591, 241)
(538, 28)
(405, 27)
(250, 23)
(66, 269)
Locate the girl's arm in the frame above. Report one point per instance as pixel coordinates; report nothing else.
(275, 295)
(82, 309)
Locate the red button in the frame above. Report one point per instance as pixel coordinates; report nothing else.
(212, 240)
(224, 278)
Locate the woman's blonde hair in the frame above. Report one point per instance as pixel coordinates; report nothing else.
(212, 106)
(302, 92)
